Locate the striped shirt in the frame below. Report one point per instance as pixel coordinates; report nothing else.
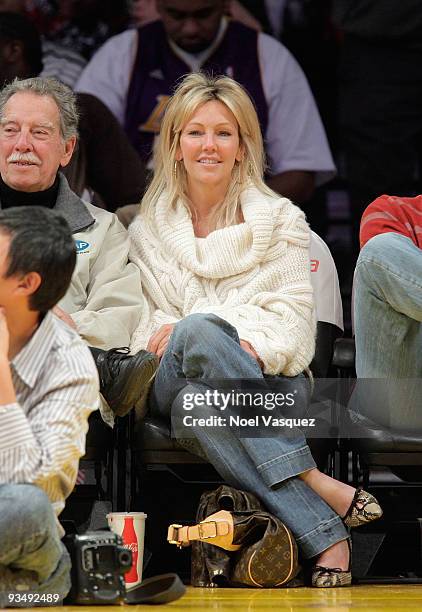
(61, 63)
(42, 436)
(393, 214)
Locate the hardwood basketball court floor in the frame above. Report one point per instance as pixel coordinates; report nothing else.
(375, 598)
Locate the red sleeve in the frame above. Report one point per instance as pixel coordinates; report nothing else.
(393, 214)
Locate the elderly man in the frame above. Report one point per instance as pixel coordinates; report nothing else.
(48, 388)
(135, 72)
(118, 179)
(38, 128)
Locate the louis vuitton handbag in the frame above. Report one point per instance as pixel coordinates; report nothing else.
(237, 543)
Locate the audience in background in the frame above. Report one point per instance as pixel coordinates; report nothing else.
(78, 25)
(142, 12)
(85, 25)
(104, 162)
(135, 72)
(58, 61)
(380, 89)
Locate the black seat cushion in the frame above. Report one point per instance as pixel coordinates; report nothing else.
(151, 438)
(366, 436)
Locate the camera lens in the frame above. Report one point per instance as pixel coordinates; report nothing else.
(125, 558)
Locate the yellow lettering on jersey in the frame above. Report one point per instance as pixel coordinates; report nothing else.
(153, 123)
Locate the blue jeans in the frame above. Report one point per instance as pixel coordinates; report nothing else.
(32, 557)
(388, 308)
(388, 330)
(203, 346)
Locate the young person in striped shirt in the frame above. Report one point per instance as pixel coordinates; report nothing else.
(48, 388)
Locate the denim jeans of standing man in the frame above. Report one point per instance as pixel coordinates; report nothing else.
(204, 346)
(388, 331)
(33, 559)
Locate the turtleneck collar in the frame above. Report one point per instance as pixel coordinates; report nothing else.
(11, 197)
(224, 252)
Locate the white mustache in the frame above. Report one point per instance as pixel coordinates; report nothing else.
(28, 158)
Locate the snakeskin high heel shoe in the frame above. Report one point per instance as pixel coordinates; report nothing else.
(363, 509)
(331, 577)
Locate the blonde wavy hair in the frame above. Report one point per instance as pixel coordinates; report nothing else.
(170, 176)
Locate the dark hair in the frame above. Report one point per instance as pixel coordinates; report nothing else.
(14, 26)
(41, 241)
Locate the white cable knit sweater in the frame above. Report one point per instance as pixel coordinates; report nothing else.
(255, 275)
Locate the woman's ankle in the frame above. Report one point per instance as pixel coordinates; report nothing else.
(337, 556)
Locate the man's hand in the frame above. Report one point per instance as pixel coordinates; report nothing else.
(64, 317)
(158, 342)
(250, 349)
(4, 335)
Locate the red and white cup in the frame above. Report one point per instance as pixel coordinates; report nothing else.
(131, 526)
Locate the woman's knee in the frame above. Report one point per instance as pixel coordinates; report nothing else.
(204, 324)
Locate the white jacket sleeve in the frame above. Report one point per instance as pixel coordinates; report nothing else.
(112, 309)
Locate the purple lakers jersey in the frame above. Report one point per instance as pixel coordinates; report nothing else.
(157, 70)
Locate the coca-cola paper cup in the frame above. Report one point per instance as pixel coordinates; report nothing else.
(131, 526)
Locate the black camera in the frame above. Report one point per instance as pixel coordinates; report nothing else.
(99, 562)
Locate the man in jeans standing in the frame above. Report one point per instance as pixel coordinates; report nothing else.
(48, 388)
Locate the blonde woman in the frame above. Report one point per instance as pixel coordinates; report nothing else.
(225, 273)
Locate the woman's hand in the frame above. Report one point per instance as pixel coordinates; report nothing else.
(250, 349)
(158, 342)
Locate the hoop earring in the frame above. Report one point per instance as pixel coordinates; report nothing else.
(175, 169)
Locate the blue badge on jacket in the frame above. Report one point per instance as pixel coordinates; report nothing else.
(81, 246)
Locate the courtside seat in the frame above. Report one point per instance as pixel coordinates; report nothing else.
(99, 453)
(387, 461)
(99, 456)
(372, 444)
